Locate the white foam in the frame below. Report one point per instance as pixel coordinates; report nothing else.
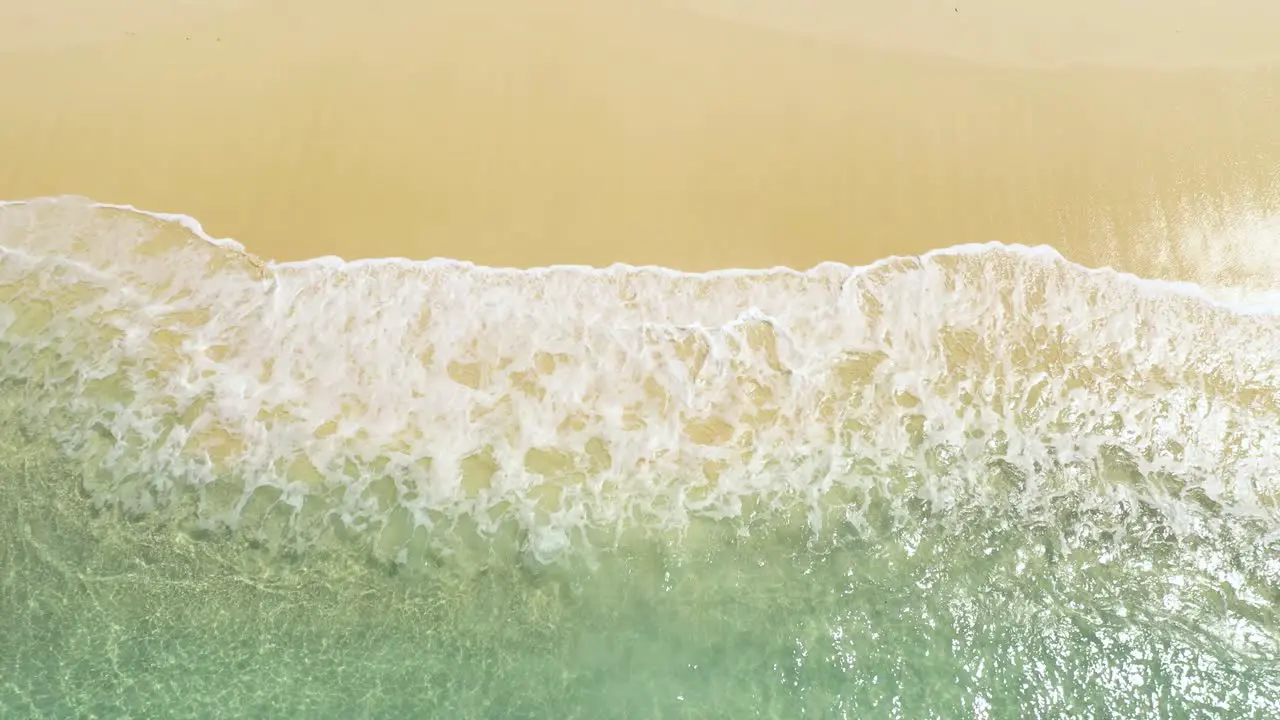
(1260, 230)
(398, 394)
(186, 221)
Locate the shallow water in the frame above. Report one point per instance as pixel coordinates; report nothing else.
(985, 482)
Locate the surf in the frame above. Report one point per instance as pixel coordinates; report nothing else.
(560, 489)
(577, 403)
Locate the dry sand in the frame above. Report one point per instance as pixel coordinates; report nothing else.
(696, 134)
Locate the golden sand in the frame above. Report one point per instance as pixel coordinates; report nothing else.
(696, 134)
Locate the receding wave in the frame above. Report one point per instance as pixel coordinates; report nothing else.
(997, 402)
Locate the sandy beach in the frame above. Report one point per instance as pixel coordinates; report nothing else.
(697, 135)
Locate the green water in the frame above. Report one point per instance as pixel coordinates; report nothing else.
(991, 609)
(982, 483)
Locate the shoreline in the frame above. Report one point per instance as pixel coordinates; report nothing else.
(1237, 300)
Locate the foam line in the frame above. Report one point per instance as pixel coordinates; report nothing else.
(1252, 302)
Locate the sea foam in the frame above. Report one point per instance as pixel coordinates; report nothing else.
(400, 400)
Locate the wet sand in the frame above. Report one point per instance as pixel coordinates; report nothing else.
(697, 135)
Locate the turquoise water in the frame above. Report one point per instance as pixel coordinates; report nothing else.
(984, 483)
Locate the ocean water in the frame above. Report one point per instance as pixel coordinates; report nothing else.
(982, 483)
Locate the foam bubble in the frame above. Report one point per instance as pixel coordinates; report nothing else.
(403, 399)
